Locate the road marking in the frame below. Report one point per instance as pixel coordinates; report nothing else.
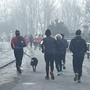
(29, 83)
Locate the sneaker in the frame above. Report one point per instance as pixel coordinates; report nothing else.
(52, 75)
(58, 73)
(76, 77)
(47, 78)
(64, 66)
(18, 73)
(34, 69)
(79, 81)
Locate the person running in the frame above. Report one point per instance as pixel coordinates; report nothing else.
(78, 47)
(17, 44)
(64, 51)
(59, 51)
(48, 48)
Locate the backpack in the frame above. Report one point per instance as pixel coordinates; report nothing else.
(20, 42)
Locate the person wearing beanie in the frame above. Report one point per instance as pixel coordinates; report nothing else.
(78, 47)
(48, 48)
(17, 32)
(17, 44)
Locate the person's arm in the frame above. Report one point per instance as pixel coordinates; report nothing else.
(24, 42)
(12, 43)
(85, 47)
(71, 46)
(42, 46)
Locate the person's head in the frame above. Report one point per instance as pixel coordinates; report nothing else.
(47, 32)
(78, 32)
(62, 35)
(58, 36)
(17, 32)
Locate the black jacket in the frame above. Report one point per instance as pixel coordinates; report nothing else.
(78, 46)
(59, 46)
(48, 45)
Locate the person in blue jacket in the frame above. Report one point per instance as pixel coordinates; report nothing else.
(17, 44)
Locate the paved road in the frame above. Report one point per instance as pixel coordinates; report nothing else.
(30, 80)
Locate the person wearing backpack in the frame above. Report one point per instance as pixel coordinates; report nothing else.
(78, 47)
(17, 44)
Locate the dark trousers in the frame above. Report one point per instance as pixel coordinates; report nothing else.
(18, 53)
(58, 61)
(63, 58)
(49, 59)
(77, 64)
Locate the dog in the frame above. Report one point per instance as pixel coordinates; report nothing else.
(33, 63)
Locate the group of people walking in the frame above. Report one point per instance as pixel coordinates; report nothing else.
(54, 49)
(35, 40)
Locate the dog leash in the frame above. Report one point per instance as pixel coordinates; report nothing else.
(27, 55)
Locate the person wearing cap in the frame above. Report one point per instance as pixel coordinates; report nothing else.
(17, 44)
(48, 48)
(78, 47)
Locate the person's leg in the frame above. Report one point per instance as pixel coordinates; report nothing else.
(56, 63)
(63, 64)
(75, 62)
(80, 69)
(75, 67)
(51, 58)
(60, 65)
(18, 55)
(47, 65)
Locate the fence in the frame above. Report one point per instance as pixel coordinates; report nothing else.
(88, 51)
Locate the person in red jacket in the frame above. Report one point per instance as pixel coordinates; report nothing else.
(17, 44)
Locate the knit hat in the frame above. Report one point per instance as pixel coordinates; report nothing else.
(48, 32)
(17, 32)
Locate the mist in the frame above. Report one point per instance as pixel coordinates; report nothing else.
(35, 16)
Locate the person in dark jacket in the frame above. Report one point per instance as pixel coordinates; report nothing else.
(59, 52)
(64, 50)
(48, 48)
(17, 44)
(78, 47)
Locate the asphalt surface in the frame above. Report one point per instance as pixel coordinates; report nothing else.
(30, 80)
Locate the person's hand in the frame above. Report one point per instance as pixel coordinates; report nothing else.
(42, 51)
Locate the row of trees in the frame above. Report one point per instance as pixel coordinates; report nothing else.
(34, 16)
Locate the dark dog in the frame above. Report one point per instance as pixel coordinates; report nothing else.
(33, 63)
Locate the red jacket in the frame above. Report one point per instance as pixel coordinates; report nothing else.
(18, 42)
